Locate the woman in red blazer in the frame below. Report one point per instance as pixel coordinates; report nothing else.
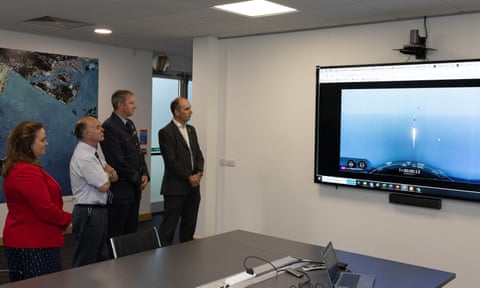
(32, 235)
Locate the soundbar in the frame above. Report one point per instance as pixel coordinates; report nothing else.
(415, 200)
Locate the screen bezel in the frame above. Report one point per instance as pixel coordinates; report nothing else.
(327, 127)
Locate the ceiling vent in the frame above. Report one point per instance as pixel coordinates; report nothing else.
(56, 22)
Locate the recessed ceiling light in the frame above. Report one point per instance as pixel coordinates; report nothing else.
(103, 31)
(255, 8)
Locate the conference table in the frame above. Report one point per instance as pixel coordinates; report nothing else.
(195, 263)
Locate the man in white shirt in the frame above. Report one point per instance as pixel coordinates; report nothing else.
(90, 178)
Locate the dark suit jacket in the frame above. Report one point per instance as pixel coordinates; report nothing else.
(176, 156)
(122, 152)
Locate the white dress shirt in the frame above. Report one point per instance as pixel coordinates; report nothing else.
(87, 175)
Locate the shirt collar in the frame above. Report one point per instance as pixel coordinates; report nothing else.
(178, 124)
(85, 146)
(124, 120)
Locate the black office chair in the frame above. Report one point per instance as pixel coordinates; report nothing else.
(14, 275)
(135, 242)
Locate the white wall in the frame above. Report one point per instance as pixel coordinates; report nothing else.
(119, 68)
(263, 105)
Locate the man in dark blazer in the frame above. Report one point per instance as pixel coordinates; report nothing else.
(121, 148)
(183, 171)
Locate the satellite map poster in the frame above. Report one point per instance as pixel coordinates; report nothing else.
(53, 89)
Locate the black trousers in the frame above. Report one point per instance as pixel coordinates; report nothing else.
(183, 209)
(123, 218)
(89, 227)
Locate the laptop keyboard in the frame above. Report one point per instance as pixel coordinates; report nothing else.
(348, 280)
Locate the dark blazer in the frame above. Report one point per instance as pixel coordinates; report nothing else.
(122, 152)
(176, 157)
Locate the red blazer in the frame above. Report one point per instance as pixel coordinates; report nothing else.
(35, 216)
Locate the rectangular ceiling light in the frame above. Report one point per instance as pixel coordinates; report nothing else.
(255, 8)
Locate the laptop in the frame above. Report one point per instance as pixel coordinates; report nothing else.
(342, 279)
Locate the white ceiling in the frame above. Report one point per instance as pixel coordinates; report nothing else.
(168, 26)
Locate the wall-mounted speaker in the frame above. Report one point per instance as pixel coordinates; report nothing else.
(415, 200)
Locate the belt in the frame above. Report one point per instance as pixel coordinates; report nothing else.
(92, 205)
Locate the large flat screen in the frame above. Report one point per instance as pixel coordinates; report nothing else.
(408, 128)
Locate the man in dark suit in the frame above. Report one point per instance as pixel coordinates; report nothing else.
(183, 171)
(122, 151)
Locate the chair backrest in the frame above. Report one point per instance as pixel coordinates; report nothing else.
(140, 241)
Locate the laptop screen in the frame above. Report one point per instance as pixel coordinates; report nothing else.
(330, 259)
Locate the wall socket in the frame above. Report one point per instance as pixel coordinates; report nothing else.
(228, 163)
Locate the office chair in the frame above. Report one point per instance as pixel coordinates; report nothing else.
(135, 242)
(16, 274)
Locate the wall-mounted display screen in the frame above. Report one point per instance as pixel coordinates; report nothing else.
(409, 127)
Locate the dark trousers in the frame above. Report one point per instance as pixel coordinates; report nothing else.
(123, 218)
(183, 209)
(89, 227)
